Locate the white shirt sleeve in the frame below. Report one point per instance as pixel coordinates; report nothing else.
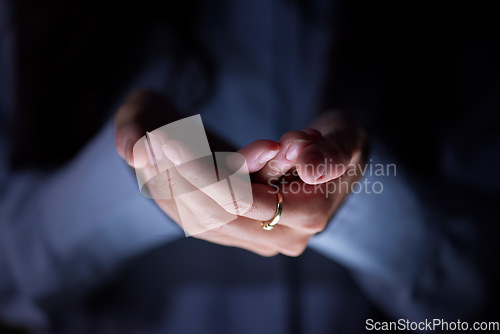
(71, 225)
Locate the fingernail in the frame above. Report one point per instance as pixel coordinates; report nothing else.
(293, 150)
(172, 153)
(266, 156)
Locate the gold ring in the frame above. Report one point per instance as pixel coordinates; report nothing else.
(269, 225)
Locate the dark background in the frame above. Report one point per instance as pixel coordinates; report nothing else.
(404, 69)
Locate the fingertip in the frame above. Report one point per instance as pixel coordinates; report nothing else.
(311, 166)
(258, 153)
(265, 144)
(125, 138)
(266, 156)
(127, 152)
(293, 143)
(260, 160)
(317, 166)
(258, 146)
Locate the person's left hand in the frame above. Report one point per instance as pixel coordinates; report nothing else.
(313, 171)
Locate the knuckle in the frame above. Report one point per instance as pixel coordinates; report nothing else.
(209, 235)
(194, 177)
(294, 249)
(213, 222)
(293, 252)
(197, 180)
(238, 207)
(268, 252)
(178, 187)
(216, 228)
(230, 206)
(315, 224)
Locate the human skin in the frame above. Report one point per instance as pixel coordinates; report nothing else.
(303, 165)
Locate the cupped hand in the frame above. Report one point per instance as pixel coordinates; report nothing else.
(307, 167)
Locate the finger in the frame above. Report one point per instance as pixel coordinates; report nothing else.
(235, 195)
(258, 153)
(200, 171)
(306, 207)
(233, 192)
(212, 215)
(324, 160)
(287, 241)
(263, 205)
(204, 213)
(197, 211)
(189, 216)
(142, 111)
(126, 136)
(291, 144)
(147, 152)
(147, 159)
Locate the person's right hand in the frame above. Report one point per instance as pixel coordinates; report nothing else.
(237, 223)
(205, 208)
(144, 111)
